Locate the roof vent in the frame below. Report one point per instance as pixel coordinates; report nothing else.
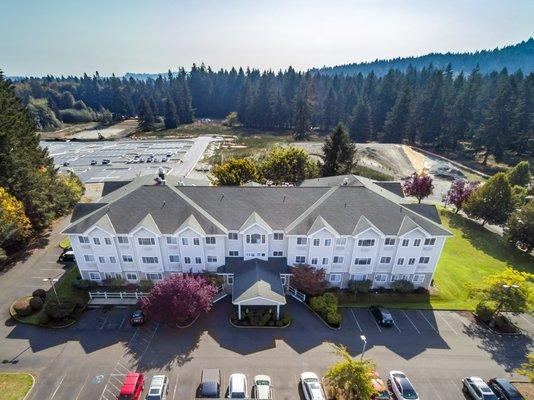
(345, 182)
(284, 200)
(222, 197)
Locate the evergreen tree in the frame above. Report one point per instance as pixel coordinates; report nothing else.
(397, 120)
(171, 116)
(360, 124)
(145, 116)
(302, 110)
(338, 153)
(520, 174)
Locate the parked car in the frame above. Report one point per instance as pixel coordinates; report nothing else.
(137, 317)
(66, 164)
(401, 386)
(478, 389)
(237, 386)
(93, 162)
(67, 256)
(382, 315)
(105, 161)
(380, 387)
(210, 384)
(504, 389)
(132, 387)
(311, 386)
(164, 159)
(262, 387)
(141, 160)
(159, 386)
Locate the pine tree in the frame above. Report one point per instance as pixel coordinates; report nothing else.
(360, 124)
(302, 110)
(171, 116)
(145, 116)
(397, 120)
(338, 153)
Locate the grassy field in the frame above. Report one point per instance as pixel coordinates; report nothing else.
(14, 386)
(470, 255)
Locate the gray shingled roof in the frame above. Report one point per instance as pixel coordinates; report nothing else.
(427, 210)
(393, 186)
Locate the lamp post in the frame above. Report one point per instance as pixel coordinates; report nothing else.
(364, 340)
(52, 283)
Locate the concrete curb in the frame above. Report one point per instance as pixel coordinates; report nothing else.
(188, 325)
(16, 318)
(31, 388)
(257, 327)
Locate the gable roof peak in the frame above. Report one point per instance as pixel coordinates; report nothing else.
(191, 222)
(408, 225)
(320, 223)
(255, 219)
(149, 223)
(362, 225)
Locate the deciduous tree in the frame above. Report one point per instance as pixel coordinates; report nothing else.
(459, 193)
(14, 225)
(519, 229)
(288, 164)
(419, 186)
(308, 280)
(235, 172)
(527, 368)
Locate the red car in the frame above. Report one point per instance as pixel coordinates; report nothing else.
(132, 387)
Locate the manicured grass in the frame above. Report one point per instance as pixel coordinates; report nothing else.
(14, 386)
(370, 173)
(468, 257)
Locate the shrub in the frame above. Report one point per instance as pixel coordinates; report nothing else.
(360, 286)
(59, 310)
(286, 319)
(333, 318)
(421, 290)
(36, 303)
(308, 280)
(39, 293)
(83, 284)
(22, 307)
(279, 324)
(214, 279)
(503, 324)
(264, 319)
(114, 283)
(317, 304)
(325, 304)
(146, 285)
(271, 323)
(74, 116)
(43, 318)
(402, 286)
(484, 312)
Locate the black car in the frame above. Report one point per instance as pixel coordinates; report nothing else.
(93, 162)
(137, 317)
(67, 256)
(382, 315)
(504, 389)
(210, 384)
(106, 161)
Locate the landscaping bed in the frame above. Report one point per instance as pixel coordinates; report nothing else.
(15, 386)
(263, 319)
(326, 307)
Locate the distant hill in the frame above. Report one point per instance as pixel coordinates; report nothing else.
(515, 57)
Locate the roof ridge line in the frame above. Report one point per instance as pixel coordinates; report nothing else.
(199, 209)
(311, 208)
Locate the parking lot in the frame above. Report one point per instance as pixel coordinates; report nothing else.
(181, 156)
(436, 349)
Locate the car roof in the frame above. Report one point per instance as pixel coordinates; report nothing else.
(128, 387)
(211, 375)
(507, 386)
(237, 382)
(308, 375)
(262, 378)
(479, 382)
(157, 380)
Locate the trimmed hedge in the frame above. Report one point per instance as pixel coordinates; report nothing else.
(41, 293)
(360, 286)
(402, 286)
(22, 307)
(36, 303)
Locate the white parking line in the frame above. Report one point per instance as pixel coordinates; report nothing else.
(411, 322)
(105, 320)
(374, 320)
(355, 320)
(175, 387)
(81, 389)
(461, 320)
(434, 389)
(449, 325)
(432, 326)
(58, 386)
(526, 319)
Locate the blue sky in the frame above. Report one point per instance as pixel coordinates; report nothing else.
(40, 37)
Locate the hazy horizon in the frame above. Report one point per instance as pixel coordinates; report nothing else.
(62, 37)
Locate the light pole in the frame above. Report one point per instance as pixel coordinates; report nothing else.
(364, 340)
(52, 283)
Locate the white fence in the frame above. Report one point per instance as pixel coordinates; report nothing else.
(296, 294)
(116, 295)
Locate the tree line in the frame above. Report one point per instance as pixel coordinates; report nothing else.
(430, 107)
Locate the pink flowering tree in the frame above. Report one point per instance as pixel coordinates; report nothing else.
(419, 186)
(459, 193)
(179, 298)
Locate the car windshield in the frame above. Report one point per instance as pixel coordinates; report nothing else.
(153, 397)
(489, 397)
(383, 395)
(409, 394)
(237, 395)
(262, 383)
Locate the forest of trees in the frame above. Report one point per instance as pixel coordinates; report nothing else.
(431, 107)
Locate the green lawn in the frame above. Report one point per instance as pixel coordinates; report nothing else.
(470, 255)
(14, 386)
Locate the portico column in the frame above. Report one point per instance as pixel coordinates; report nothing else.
(239, 311)
(278, 311)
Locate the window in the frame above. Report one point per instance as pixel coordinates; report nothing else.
(278, 236)
(300, 259)
(234, 253)
(424, 260)
(94, 276)
(187, 260)
(127, 258)
(328, 242)
(123, 239)
(150, 260)
(212, 259)
(366, 242)
(131, 276)
(325, 261)
(358, 277)
(198, 260)
(411, 261)
(385, 260)
(389, 242)
(196, 242)
(83, 240)
(172, 240)
(399, 277)
(339, 259)
(107, 241)
(362, 261)
(341, 242)
(255, 238)
(334, 278)
(278, 253)
(250, 254)
(302, 241)
(230, 279)
(102, 260)
(146, 241)
(381, 277)
(96, 241)
(405, 242)
(430, 242)
(174, 258)
(418, 278)
(112, 260)
(89, 258)
(314, 261)
(417, 242)
(400, 261)
(185, 242)
(210, 239)
(232, 235)
(316, 242)
(154, 277)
